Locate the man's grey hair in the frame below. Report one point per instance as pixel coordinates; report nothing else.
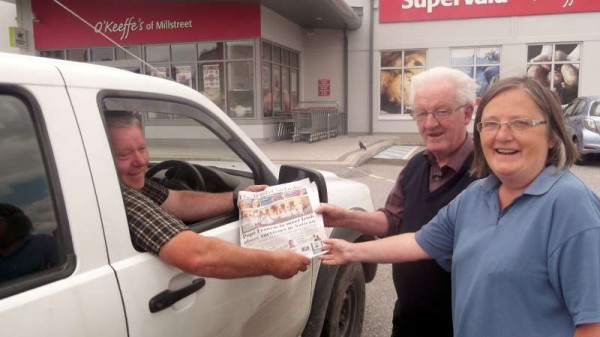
(466, 87)
(122, 119)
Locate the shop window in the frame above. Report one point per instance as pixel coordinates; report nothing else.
(267, 89)
(556, 66)
(159, 70)
(397, 69)
(212, 82)
(102, 54)
(53, 54)
(480, 63)
(183, 52)
(157, 53)
(240, 50)
(79, 55)
(266, 51)
(240, 89)
(210, 51)
(279, 80)
(120, 54)
(185, 74)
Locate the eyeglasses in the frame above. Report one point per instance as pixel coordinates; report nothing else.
(437, 114)
(515, 124)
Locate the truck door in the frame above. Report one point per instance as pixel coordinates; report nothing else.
(175, 130)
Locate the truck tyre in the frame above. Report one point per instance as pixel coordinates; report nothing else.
(346, 308)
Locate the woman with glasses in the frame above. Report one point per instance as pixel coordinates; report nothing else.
(523, 244)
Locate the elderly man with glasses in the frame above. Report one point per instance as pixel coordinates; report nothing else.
(443, 107)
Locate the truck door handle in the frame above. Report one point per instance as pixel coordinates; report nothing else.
(168, 297)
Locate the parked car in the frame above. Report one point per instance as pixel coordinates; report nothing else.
(582, 118)
(57, 167)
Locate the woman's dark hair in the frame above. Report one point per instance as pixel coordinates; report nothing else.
(564, 152)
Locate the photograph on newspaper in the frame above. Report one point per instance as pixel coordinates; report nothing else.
(282, 217)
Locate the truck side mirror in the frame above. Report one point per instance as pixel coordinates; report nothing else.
(289, 173)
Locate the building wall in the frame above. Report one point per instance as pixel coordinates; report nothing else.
(8, 14)
(512, 34)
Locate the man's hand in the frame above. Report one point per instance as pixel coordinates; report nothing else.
(288, 263)
(333, 216)
(255, 188)
(339, 252)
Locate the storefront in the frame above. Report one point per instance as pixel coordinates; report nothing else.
(243, 56)
(257, 59)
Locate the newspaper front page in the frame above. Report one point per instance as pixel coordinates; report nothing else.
(282, 217)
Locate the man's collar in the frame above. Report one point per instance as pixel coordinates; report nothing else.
(458, 158)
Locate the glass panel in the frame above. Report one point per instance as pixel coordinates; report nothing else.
(276, 54)
(267, 101)
(210, 51)
(285, 57)
(462, 57)
(240, 89)
(414, 58)
(567, 52)
(406, 88)
(102, 54)
(183, 52)
(294, 60)
(391, 59)
(161, 71)
(539, 53)
(122, 55)
(29, 232)
(266, 51)
(276, 88)
(157, 53)
(185, 74)
(485, 77)
(488, 55)
(294, 88)
(80, 55)
(466, 70)
(240, 50)
(391, 91)
(54, 54)
(285, 88)
(212, 82)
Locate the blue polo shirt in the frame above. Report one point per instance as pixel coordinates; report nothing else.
(532, 269)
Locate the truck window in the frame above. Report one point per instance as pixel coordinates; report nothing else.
(30, 237)
(187, 148)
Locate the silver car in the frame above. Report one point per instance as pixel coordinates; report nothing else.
(582, 118)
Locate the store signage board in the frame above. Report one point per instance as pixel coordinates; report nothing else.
(140, 22)
(428, 10)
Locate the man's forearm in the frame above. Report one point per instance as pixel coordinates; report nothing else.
(194, 206)
(372, 223)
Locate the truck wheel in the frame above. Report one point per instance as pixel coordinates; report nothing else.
(346, 308)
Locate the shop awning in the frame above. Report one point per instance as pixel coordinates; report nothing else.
(325, 14)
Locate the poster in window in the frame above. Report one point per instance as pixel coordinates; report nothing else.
(210, 74)
(183, 75)
(159, 71)
(395, 81)
(556, 67)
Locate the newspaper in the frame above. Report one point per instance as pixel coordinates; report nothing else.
(282, 217)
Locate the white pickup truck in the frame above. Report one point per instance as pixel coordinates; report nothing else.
(72, 270)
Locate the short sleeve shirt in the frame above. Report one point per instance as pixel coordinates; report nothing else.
(530, 269)
(150, 226)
